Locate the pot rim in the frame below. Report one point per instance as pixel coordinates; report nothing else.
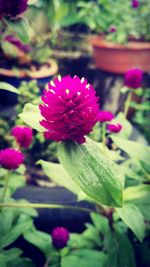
(100, 41)
(38, 74)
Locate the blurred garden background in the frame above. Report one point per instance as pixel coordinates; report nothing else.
(68, 69)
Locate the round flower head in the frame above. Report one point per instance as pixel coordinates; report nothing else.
(114, 128)
(69, 108)
(133, 78)
(11, 158)
(135, 3)
(104, 116)
(12, 8)
(23, 135)
(60, 237)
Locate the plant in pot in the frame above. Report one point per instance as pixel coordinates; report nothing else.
(66, 33)
(123, 40)
(19, 61)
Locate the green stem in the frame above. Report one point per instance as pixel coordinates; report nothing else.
(127, 104)
(5, 186)
(104, 135)
(48, 206)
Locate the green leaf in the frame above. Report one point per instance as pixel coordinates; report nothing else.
(120, 249)
(133, 218)
(3, 172)
(39, 239)
(31, 116)
(12, 254)
(136, 192)
(16, 181)
(2, 260)
(21, 27)
(84, 258)
(22, 262)
(6, 220)
(95, 174)
(133, 149)
(9, 87)
(57, 173)
(14, 233)
(100, 222)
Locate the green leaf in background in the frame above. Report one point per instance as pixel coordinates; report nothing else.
(6, 220)
(120, 250)
(12, 254)
(31, 116)
(100, 222)
(9, 87)
(133, 149)
(136, 192)
(21, 27)
(22, 262)
(57, 173)
(133, 218)
(39, 239)
(14, 233)
(85, 258)
(95, 174)
(2, 260)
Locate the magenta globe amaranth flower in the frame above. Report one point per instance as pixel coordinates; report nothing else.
(104, 116)
(69, 109)
(23, 135)
(133, 78)
(60, 237)
(12, 8)
(114, 128)
(11, 158)
(135, 3)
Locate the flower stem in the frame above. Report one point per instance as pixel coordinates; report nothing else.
(48, 206)
(104, 135)
(5, 186)
(127, 104)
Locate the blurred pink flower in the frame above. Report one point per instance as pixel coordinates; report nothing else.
(112, 29)
(23, 135)
(135, 3)
(70, 108)
(104, 116)
(114, 128)
(11, 158)
(60, 237)
(133, 78)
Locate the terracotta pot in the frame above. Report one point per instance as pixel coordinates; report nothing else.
(117, 58)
